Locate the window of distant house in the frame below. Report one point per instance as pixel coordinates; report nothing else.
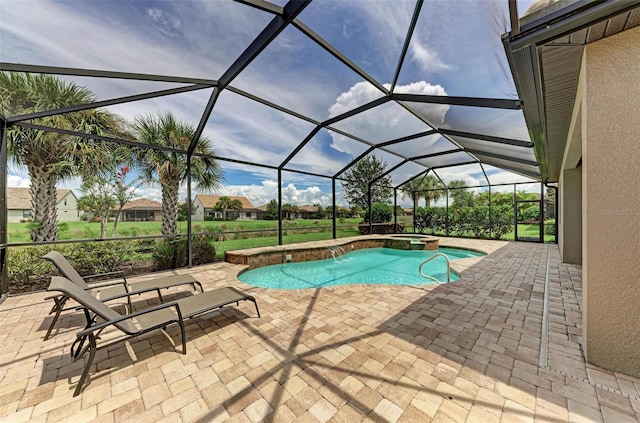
(65, 202)
(26, 214)
(248, 214)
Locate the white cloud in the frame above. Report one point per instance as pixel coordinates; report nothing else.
(385, 122)
(18, 181)
(426, 58)
(268, 190)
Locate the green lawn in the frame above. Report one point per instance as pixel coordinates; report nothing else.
(528, 231)
(19, 232)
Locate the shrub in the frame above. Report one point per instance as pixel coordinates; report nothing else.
(25, 267)
(202, 249)
(27, 271)
(380, 213)
(531, 214)
(501, 221)
(550, 227)
(170, 253)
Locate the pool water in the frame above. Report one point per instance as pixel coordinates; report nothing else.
(369, 266)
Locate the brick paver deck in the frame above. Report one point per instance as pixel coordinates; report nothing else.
(470, 351)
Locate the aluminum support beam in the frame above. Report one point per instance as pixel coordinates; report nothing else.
(56, 70)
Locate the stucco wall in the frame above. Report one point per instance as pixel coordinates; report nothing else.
(570, 222)
(67, 209)
(14, 216)
(199, 214)
(611, 203)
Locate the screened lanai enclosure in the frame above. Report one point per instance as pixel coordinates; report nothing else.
(283, 99)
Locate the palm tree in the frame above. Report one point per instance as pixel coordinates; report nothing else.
(48, 156)
(289, 210)
(461, 197)
(226, 203)
(429, 184)
(169, 168)
(411, 188)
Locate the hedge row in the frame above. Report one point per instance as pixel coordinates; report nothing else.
(465, 221)
(27, 271)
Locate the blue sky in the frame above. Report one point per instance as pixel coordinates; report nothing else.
(455, 50)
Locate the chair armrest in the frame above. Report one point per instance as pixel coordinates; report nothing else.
(106, 284)
(99, 275)
(108, 323)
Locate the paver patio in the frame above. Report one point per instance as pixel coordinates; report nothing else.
(469, 351)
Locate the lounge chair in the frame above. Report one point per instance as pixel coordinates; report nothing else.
(139, 322)
(107, 290)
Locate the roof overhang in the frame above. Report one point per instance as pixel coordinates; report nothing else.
(545, 55)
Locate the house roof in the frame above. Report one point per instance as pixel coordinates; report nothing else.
(142, 204)
(20, 198)
(308, 208)
(209, 201)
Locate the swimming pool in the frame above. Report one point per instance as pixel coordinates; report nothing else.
(372, 266)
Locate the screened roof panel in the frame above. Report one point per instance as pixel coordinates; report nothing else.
(457, 49)
(486, 121)
(382, 123)
(296, 73)
(201, 40)
(405, 172)
(105, 89)
(531, 171)
(246, 130)
(326, 153)
(497, 175)
(471, 174)
(422, 146)
(370, 33)
(446, 159)
(523, 153)
(390, 159)
(185, 107)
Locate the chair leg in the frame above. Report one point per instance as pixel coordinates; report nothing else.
(76, 347)
(256, 304)
(160, 295)
(199, 285)
(184, 337)
(59, 305)
(85, 372)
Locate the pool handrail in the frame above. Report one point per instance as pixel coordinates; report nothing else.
(431, 258)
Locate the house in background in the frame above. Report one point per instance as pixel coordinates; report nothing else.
(307, 212)
(206, 203)
(19, 205)
(141, 210)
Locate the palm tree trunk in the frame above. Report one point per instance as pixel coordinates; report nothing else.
(170, 208)
(43, 204)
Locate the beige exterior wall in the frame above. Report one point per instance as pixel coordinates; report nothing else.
(570, 221)
(67, 208)
(199, 214)
(14, 216)
(67, 211)
(611, 203)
